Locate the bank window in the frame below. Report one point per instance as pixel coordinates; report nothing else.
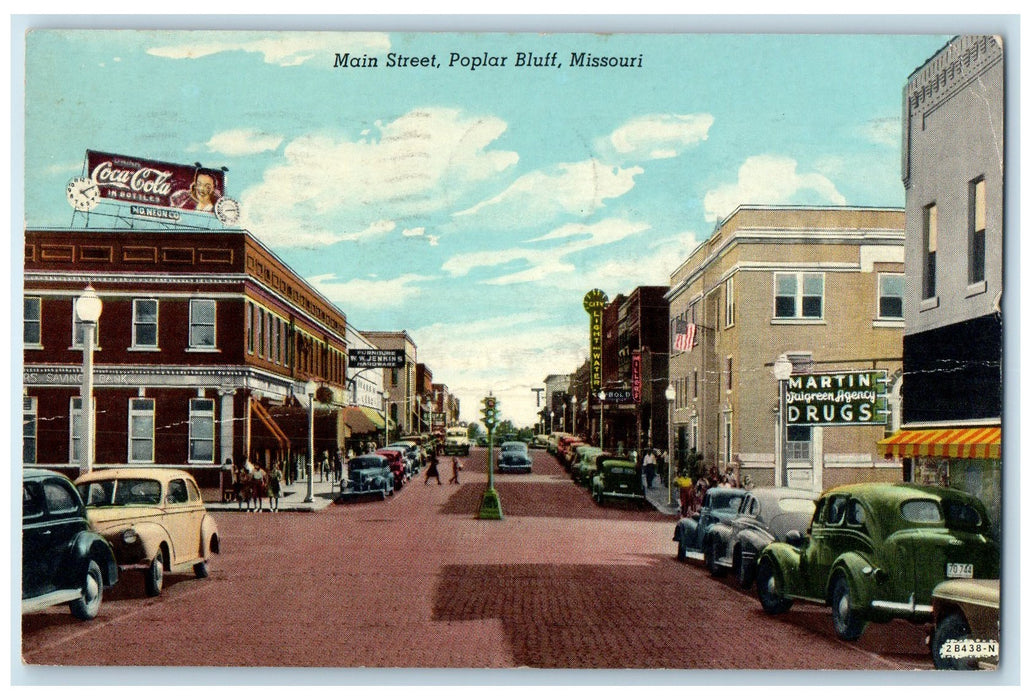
(890, 289)
(141, 430)
(930, 236)
(144, 323)
(798, 295)
(728, 319)
(29, 422)
(978, 216)
(250, 328)
(202, 323)
(32, 329)
(202, 430)
(78, 328)
(799, 441)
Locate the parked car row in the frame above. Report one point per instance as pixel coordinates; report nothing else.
(872, 552)
(607, 476)
(78, 538)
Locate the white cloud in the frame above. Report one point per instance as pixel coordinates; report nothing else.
(883, 132)
(656, 136)
(368, 293)
(329, 187)
(414, 232)
(243, 142)
(769, 179)
(279, 48)
(577, 189)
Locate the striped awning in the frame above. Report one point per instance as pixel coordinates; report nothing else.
(961, 443)
(362, 419)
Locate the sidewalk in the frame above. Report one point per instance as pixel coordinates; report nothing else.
(658, 496)
(291, 500)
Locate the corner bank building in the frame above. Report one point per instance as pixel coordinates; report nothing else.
(202, 351)
(952, 168)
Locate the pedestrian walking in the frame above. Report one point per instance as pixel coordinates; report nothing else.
(456, 467)
(258, 481)
(649, 467)
(275, 477)
(432, 471)
(241, 486)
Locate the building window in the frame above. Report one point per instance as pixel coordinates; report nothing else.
(798, 295)
(694, 382)
(202, 323)
(890, 290)
(728, 318)
(730, 373)
(141, 430)
(28, 429)
(271, 337)
(978, 215)
(694, 434)
(32, 329)
(930, 250)
(78, 327)
(202, 430)
(250, 328)
(393, 377)
(728, 434)
(144, 323)
(800, 438)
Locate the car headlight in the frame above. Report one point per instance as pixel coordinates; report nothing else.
(130, 536)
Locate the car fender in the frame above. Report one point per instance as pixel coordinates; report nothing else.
(685, 530)
(752, 542)
(786, 559)
(720, 533)
(209, 538)
(151, 536)
(85, 547)
(860, 574)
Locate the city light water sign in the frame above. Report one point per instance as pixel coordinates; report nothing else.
(838, 398)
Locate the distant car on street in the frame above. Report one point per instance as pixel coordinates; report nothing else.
(410, 448)
(876, 551)
(456, 441)
(719, 504)
(765, 515)
(514, 461)
(367, 474)
(619, 479)
(64, 559)
(585, 464)
(966, 624)
(396, 462)
(154, 518)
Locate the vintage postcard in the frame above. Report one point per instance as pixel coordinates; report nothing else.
(502, 352)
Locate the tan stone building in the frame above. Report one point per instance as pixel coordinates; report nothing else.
(823, 286)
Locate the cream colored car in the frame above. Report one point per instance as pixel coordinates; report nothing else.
(154, 518)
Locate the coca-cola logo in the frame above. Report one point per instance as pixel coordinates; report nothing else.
(145, 179)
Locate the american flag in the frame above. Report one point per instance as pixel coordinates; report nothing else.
(684, 335)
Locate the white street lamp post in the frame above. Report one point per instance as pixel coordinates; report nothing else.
(386, 419)
(309, 389)
(782, 372)
(574, 415)
(552, 426)
(87, 308)
(671, 395)
(601, 422)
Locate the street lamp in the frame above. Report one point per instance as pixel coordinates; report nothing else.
(565, 409)
(386, 419)
(87, 308)
(552, 426)
(310, 387)
(601, 428)
(671, 395)
(782, 372)
(574, 415)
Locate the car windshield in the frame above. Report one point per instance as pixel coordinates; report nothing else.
(121, 492)
(724, 501)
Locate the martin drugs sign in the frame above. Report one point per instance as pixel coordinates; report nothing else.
(839, 398)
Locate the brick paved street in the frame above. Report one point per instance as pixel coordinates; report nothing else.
(418, 581)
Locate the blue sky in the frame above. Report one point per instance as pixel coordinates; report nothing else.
(474, 208)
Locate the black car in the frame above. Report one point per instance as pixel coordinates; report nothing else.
(514, 461)
(367, 475)
(64, 560)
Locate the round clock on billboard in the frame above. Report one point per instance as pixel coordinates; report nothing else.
(227, 210)
(83, 193)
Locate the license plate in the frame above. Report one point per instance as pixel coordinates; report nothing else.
(959, 570)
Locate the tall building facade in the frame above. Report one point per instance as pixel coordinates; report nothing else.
(822, 286)
(953, 170)
(399, 382)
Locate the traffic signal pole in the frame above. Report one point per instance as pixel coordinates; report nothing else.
(490, 504)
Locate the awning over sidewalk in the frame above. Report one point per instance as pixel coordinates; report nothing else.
(961, 443)
(362, 419)
(269, 422)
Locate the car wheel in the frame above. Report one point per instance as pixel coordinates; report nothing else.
(771, 589)
(87, 605)
(715, 569)
(200, 569)
(847, 624)
(952, 627)
(743, 572)
(681, 550)
(154, 576)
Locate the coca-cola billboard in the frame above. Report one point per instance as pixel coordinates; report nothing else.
(138, 181)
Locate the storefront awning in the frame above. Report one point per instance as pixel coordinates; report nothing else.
(961, 443)
(362, 419)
